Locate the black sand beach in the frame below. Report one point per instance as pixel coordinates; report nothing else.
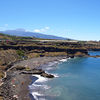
(15, 85)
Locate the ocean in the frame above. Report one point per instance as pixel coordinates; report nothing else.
(75, 79)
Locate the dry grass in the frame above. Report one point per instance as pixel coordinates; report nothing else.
(4, 37)
(47, 54)
(55, 53)
(79, 54)
(1, 98)
(1, 74)
(7, 56)
(2, 67)
(33, 55)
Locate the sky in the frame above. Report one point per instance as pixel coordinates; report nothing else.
(75, 19)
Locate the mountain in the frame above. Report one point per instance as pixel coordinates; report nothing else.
(22, 32)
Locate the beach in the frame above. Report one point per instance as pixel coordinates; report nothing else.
(15, 86)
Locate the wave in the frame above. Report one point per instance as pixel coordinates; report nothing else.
(38, 88)
(35, 95)
(63, 60)
(40, 79)
(53, 65)
(50, 66)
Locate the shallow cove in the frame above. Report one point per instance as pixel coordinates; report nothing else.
(78, 79)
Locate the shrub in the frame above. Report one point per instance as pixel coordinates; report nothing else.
(21, 53)
(27, 69)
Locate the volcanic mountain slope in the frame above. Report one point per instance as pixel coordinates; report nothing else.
(18, 32)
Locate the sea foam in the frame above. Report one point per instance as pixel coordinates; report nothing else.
(37, 87)
(40, 79)
(63, 60)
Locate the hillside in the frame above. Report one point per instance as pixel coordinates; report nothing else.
(29, 47)
(13, 48)
(31, 34)
(4, 37)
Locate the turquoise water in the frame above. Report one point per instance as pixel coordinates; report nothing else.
(94, 53)
(78, 79)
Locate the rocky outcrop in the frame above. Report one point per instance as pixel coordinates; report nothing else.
(39, 72)
(47, 75)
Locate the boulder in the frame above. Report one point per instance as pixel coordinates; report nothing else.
(47, 75)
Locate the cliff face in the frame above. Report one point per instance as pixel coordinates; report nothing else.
(43, 49)
(11, 51)
(8, 56)
(74, 51)
(93, 49)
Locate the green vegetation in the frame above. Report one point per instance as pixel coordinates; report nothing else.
(27, 69)
(21, 53)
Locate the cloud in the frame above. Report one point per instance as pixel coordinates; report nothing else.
(6, 25)
(41, 30)
(37, 30)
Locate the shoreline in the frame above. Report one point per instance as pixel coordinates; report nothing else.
(15, 85)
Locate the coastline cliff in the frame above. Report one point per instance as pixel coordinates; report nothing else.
(14, 50)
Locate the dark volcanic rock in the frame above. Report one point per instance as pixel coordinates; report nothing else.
(71, 56)
(39, 72)
(47, 75)
(34, 71)
(20, 68)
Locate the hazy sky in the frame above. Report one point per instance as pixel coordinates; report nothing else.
(77, 19)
